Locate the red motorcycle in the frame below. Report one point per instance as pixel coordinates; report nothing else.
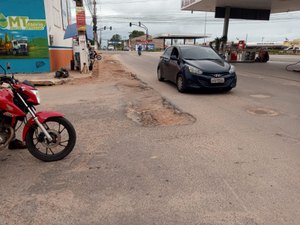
(48, 135)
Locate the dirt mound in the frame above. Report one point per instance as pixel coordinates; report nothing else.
(143, 104)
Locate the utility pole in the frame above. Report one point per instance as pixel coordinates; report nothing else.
(81, 28)
(95, 23)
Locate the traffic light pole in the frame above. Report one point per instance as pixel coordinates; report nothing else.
(101, 29)
(142, 26)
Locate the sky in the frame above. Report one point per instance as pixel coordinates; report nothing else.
(166, 17)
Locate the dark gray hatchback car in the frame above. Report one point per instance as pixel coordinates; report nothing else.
(190, 66)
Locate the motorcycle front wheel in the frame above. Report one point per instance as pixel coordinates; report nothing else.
(62, 133)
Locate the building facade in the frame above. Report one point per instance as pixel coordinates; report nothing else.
(153, 44)
(58, 17)
(32, 35)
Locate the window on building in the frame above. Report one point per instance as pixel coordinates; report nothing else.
(65, 13)
(56, 17)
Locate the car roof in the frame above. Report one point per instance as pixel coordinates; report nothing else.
(191, 46)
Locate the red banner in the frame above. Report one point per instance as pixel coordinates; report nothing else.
(80, 19)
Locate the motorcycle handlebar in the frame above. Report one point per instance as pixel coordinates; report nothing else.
(3, 69)
(8, 80)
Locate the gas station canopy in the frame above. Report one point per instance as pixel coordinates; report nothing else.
(183, 37)
(241, 9)
(274, 6)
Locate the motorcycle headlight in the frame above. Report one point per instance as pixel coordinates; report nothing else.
(232, 69)
(37, 94)
(194, 70)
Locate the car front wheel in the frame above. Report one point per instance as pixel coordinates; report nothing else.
(159, 75)
(180, 83)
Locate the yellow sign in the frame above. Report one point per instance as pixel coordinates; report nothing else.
(21, 23)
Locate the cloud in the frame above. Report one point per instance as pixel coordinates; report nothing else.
(165, 16)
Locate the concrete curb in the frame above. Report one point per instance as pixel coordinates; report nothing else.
(51, 81)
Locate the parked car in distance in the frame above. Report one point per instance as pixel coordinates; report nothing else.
(110, 48)
(292, 49)
(191, 66)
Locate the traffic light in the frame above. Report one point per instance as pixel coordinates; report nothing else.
(130, 24)
(110, 27)
(140, 23)
(104, 28)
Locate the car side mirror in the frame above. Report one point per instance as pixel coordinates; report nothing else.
(173, 57)
(222, 56)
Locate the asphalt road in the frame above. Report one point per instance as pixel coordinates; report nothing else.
(249, 138)
(238, 163)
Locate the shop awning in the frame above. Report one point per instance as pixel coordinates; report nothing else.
(71, 31)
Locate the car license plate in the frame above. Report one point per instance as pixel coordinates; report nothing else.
(219, 80)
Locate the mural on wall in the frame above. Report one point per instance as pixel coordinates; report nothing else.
(23, 36)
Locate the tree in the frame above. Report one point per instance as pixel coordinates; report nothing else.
(136, 33)
(116, 38)
(116, 41)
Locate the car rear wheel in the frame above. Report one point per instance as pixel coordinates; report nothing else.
(180, 83)
(159, 75)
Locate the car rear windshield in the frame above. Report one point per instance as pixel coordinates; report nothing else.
(199, 53)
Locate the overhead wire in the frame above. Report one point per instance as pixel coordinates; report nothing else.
(178, 16)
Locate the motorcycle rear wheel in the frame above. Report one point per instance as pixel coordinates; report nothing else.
(62, 133)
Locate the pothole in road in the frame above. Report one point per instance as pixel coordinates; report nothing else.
(156, 111)
(143, 104)
(262, 112)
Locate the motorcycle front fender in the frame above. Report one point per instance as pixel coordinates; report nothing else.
(42, 117)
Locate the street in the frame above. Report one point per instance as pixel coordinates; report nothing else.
(198, 158)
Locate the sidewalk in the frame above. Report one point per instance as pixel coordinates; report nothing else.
(48, 79)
